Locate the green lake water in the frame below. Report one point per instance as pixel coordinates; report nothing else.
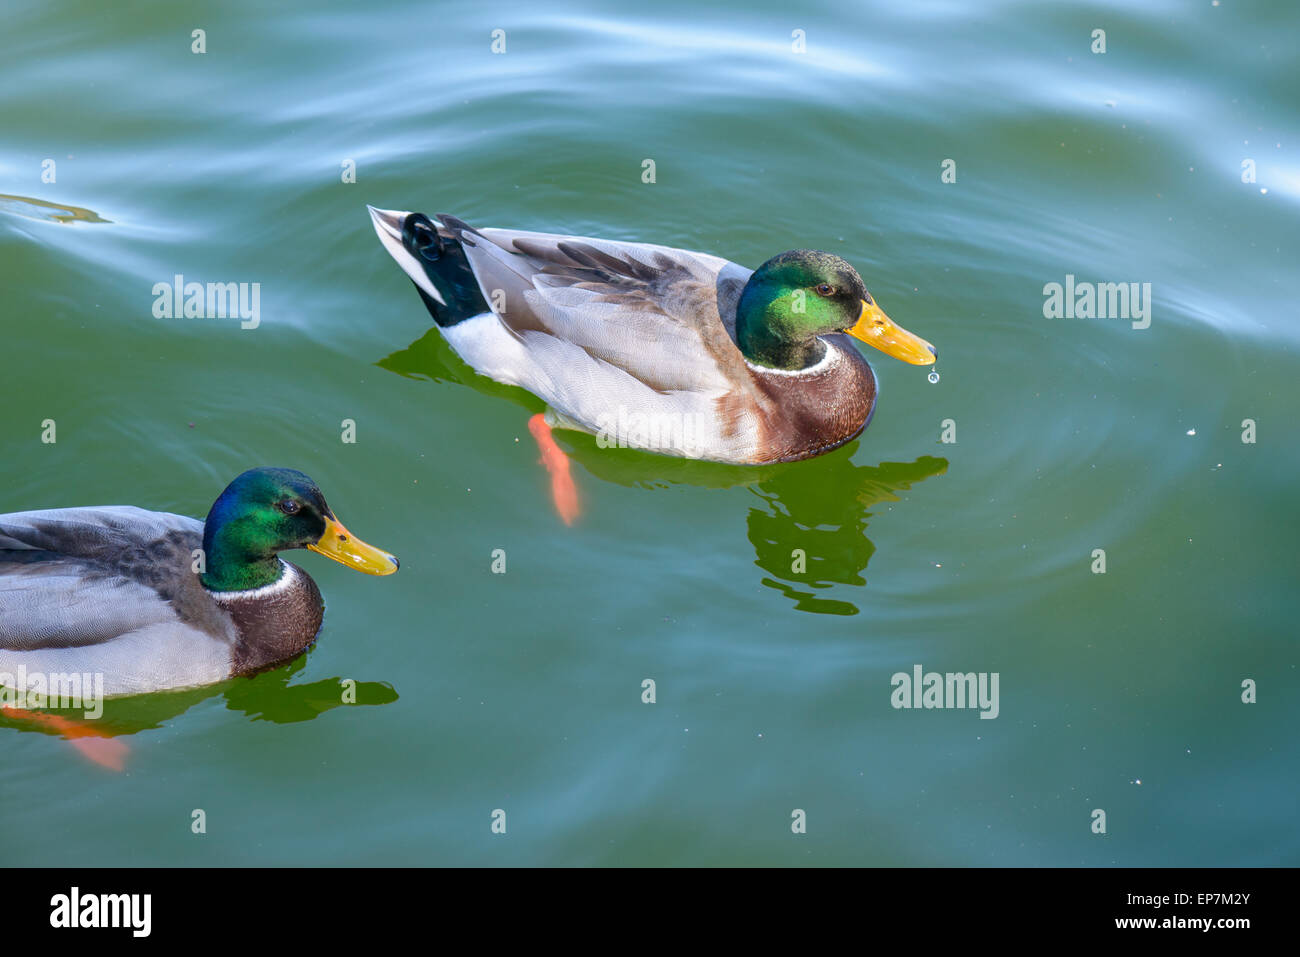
(522, 691)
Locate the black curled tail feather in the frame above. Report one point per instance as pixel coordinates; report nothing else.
(448, 269)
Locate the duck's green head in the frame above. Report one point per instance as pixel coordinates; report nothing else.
(265, 511)
(797, 296)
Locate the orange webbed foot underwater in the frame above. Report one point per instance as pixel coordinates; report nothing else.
(94, 745)
(563, 490)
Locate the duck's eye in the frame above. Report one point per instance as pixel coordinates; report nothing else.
(825, 289)
(289, 507)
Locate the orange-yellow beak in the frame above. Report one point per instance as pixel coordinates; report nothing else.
(877, 329)
(344, 547)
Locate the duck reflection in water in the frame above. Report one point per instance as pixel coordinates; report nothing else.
(810, 534)
(267, 696)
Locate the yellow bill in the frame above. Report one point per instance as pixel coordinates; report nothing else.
(877, 329)
(344, 547)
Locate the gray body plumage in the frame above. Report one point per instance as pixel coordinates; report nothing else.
(112, 590)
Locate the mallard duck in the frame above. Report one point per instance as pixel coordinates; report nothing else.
(155, 601)
(657, 348)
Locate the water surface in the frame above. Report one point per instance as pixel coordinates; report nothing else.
(523, 691)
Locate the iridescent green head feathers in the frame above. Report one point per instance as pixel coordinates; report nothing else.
(268, 510)
(795, 298)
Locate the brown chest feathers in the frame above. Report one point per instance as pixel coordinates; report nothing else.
(816, 409)
(274, 623)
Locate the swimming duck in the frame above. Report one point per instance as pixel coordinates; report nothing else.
(155, 601)
(658, 348)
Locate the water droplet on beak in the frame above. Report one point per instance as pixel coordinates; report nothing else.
(933, 376)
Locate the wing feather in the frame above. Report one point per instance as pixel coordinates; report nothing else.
(609, 325)
(71, 578)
